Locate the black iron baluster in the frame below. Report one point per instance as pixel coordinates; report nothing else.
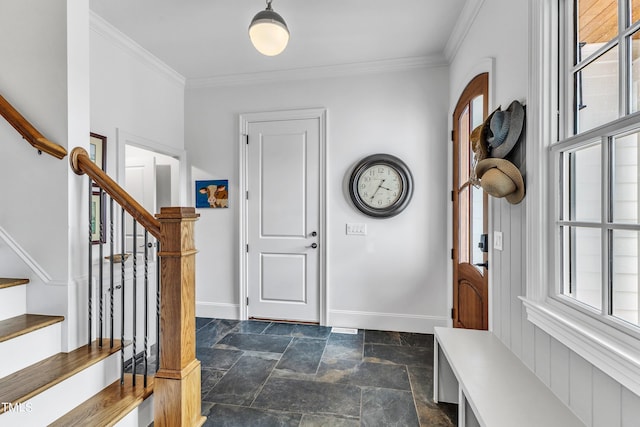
(89, 292)
(122, 289)
(111, 271)
(158, 283)
(100, 269)
(146, 303)
(134, 298)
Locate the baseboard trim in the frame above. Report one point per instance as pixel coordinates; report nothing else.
(385, 321)
(217, 310)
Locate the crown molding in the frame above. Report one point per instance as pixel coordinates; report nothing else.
(359, 68)
(99, 26)
(467, 16)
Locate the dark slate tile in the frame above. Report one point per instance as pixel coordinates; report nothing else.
(208, 379)
(302, 356)
(253, 342)
(231, 323)
(205, 408)
(450, 410)
(384, 407)
(344, 349)
(336, 337)
(422, 383)
(309, 397)
(280, 329)
(263, 354)
(202, 321)
(401, 355)
(251, 327)
(281, 373)
(298, 330)
(312, 331)
(211, 333)
(238, 416)
(398, 338)
(364, 374)
(217, 358)
(442, 415)
(327, 421)
(416, 340)
(242, 382)
(381, 337)
(430, 413)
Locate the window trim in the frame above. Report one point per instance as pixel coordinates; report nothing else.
(608, 348)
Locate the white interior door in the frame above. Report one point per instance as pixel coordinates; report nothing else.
(140, 183)
(283, 218)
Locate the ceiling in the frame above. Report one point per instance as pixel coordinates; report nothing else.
(209, 38)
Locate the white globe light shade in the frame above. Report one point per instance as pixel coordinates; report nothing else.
(269, 33)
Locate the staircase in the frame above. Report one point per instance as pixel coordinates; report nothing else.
(41, 385)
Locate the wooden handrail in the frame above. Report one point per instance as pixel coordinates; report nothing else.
(81, 164)
(28, 132)
(177, 383)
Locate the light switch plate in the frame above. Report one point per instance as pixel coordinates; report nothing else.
(358, 229)
(497, 240)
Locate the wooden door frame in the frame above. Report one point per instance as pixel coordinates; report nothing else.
(319, 114)
(478, 84)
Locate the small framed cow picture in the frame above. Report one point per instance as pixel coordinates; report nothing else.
(212, 193)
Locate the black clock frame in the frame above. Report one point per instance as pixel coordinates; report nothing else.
(407, 185)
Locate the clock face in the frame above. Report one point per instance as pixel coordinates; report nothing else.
(381, 185)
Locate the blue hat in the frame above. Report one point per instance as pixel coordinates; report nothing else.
(504, 130)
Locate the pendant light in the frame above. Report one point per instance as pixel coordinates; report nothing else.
(268, 32)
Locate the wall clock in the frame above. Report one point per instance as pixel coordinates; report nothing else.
(381, 185)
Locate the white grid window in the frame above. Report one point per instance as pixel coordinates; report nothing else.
(595, 163)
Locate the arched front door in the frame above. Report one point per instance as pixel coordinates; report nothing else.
(470, 242)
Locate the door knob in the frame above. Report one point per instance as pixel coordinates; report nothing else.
(314, 234)
(313, 245)
(483, 264)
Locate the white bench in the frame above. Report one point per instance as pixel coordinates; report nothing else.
(492, 387)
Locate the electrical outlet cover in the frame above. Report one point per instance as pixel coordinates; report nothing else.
(497, 240)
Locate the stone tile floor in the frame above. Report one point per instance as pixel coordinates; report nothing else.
(281, 374)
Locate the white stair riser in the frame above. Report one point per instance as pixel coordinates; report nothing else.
(13, 301)
(25, 350)
(51, 404)
(141, 416)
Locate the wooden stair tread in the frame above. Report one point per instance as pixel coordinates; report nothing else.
(8, 282)
(110, 405)
(25, 323)
(33, 380)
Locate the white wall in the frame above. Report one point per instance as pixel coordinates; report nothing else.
(593, 396)
(37, 196)
(393, 278)
(45, 76)
(132, 91)
(134, 97)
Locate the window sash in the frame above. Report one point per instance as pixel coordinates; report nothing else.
(573, 64)
(612, 349)
(604, 136)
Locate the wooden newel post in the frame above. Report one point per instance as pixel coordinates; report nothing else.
(177, 382)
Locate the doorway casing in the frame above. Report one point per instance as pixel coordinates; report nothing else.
(319, 114)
